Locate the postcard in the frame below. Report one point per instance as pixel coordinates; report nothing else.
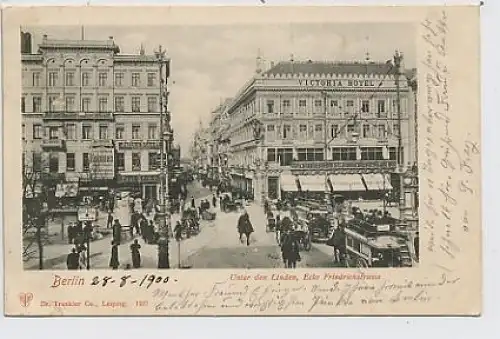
(258, 160)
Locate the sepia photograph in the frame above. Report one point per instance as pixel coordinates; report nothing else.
(251, 146)
(242, 161)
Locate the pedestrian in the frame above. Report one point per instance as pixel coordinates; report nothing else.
(87, 231)
(151, 232)
(72, 261)
(114, 263)
(117, 232)
(277, 228)
(193, 205)
(214, 201)
(136, 255)
(133, 222)
(144, 227)
(140, 218)
(178, 231)
(79, 228)
(71, 233)
(82, 256)
(290, 251)
(245, 227)
(109, 224)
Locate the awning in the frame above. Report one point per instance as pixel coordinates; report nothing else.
(288, 183)
(347, 182)
(313, 183)
(378, 181)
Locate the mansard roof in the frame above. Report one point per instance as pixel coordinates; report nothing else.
(72, 44)
(329, 67)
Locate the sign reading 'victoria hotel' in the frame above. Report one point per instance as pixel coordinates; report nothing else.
(336, 83)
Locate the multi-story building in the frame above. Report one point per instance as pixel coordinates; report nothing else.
(318, 126)
(92, 115)
(201, 149)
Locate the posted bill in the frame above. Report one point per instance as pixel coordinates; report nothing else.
(229, 161)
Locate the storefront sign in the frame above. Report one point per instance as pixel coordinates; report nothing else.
(337, 83)
(102, 163)
(87, 214)
(347, 164)
(136, 179)
(138, 144)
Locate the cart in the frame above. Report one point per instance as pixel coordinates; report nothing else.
(208, 215)
(368, 245)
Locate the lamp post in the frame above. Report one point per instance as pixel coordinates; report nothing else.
(258, 135)
(164, 213)
(398, 58)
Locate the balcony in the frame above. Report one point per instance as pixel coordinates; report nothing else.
(53, 144)
(355, 166)
(58, 116)
(102, 143)
(50, 176)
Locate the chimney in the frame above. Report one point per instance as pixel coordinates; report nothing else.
(25, 42)
(110, 37)
(44, 37)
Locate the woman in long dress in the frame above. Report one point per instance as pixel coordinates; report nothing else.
(136, 255)
(114, 263)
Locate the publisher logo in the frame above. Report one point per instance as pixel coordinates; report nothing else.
(25, 298)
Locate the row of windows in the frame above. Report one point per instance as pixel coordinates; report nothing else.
(69, 132)
(284, 156)
(365, 106)
(374, 130)
(86, 79)
(53, 162)
(69, 105)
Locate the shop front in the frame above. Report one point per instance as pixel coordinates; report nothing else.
(146, 184)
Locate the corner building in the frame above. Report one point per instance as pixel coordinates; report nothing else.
(349, 107)
(92, 115)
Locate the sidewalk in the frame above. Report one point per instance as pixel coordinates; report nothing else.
(55, 254)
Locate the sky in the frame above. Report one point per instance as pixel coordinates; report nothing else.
(210, 63)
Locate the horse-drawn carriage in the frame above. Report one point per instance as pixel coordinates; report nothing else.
(229, 204)
(370, 245)
(190, 221)
(320, 225)
(208, 215)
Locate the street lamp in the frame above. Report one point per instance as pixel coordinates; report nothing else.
(164, 213)
(398, 58)
(259, 136)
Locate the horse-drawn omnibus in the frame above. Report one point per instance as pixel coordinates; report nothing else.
(375, 245)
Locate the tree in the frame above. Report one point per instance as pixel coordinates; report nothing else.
(35, 212)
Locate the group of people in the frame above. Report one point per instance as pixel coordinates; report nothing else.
(288, 241)
(77, 258)
(373, 216)
(114, 261)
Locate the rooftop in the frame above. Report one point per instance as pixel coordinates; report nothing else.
(330, 67)
(68, 44)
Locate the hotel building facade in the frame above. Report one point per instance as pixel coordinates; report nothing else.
(91, 115)
(297, 123)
